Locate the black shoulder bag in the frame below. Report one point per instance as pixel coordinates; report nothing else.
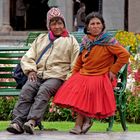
(18, 74)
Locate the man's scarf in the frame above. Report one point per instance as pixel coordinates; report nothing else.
(52, 37)
(104, 39)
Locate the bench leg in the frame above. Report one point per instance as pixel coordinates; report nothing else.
(122, 111)
(122, 119)
(110, 123)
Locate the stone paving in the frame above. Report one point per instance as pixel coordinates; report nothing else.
(57, 135)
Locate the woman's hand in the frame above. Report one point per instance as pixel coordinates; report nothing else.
(32, 76)
(112, 76)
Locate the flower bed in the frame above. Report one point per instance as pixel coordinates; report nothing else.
(133, 40)
(133, 81)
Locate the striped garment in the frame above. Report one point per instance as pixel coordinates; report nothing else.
(104, 39)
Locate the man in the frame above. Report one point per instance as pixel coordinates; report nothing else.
(20, 14)
(44, 78)
(81, 18)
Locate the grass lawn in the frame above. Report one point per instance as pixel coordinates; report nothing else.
(66, 126)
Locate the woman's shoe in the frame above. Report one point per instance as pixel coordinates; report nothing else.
(76, 130)
(86, 126)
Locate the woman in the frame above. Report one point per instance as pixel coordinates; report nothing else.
(89, 91)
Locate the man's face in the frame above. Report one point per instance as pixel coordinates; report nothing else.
(57, 27)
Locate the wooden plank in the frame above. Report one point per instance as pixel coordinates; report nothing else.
(11, 55)
(78, 36)
(25, 48)
(9, 92)
(10, 61)
(6, 69)
(7, 84)
(5, 75)
(31, 37)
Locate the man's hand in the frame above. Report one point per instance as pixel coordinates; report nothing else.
(32, 77)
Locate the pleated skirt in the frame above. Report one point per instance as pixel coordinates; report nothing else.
(92, 96)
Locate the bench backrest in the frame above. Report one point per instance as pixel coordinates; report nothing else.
(31, 37)
(9, 58)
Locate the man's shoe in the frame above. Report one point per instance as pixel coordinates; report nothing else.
(76, 130)
(29, 126)
(86, 126)
(15, 129)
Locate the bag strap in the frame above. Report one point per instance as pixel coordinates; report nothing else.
(48, 46)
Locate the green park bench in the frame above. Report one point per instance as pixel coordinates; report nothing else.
(10, 57)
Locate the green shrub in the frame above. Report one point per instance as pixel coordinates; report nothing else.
(6, 107)
(62, 114)
(7, 104)
(133, 108)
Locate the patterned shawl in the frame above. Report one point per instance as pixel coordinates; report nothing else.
(104, 39)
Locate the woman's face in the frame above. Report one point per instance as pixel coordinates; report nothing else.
(57, 27)
(95, 27)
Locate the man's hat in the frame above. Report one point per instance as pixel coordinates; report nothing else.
(54, 12)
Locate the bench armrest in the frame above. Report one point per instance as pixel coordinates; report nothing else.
(122, 77)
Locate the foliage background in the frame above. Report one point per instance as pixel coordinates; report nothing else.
(59, 114)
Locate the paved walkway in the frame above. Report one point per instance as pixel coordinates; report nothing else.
(57, 135)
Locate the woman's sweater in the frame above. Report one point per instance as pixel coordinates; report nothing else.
(101, 60)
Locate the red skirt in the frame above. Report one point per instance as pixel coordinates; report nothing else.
(91, 96)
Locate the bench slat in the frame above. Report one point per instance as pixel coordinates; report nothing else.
(10, 61)
(6, 69)
(9, 90)
(31, 37)
(25, 48)
(5, 75)
(11, 55)
(9, 93)
(8, 84)
(78, 36)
